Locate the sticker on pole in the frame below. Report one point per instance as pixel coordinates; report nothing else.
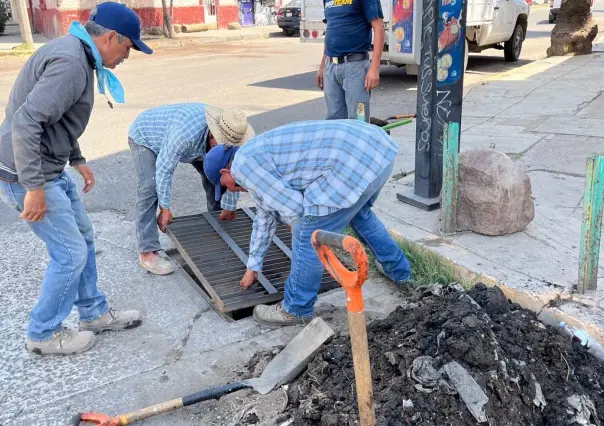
(450, 43)
(402, 24)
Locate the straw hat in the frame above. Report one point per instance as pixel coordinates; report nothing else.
(229, 127)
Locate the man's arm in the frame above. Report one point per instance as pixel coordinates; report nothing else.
(321, 67)
(263, 231)
(58, 89)
(229, 201)
(75, 156)
(373, 13)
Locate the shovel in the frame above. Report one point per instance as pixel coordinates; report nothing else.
(351, 281)
(285, 367)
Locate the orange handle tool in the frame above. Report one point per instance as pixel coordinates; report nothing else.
(351, 281)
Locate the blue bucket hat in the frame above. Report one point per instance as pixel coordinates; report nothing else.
(121, 19)
(215, 160)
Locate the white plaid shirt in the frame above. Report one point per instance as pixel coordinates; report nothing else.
(311, 168)
(176, 133)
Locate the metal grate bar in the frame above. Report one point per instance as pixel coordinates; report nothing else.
(240, 254)
(276, 239)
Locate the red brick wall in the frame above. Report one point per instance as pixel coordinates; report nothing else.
(226, 14)
(54, 23)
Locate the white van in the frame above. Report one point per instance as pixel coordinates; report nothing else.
(499, 24)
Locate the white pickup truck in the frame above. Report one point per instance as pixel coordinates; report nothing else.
(499, 24)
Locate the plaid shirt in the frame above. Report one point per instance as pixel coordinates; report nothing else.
(176, 133)
(311, 168)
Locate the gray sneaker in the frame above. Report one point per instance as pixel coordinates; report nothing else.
(114, 321)
(64, 342)
(275, 315)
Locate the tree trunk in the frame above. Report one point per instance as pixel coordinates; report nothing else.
(168, 29)
(575, 29)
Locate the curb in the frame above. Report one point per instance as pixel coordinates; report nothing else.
(195, 41)
(543, 305)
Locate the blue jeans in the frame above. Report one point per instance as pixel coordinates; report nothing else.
(71, 276)
(344, 87)
(304, 280)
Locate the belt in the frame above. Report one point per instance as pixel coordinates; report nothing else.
(352, 57)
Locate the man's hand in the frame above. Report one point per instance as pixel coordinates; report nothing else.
(34, 206)
(87, 175)
(320, 78)
(227, 215)
(163, 219)
(372, 79)
(248, 278)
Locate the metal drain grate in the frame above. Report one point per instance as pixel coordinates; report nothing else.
(216, 252)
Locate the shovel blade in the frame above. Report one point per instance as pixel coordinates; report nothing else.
(294, 358)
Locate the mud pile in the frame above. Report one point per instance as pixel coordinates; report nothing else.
(441, 349)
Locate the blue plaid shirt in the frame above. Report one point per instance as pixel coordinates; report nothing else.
(176, 133)
(311, 168)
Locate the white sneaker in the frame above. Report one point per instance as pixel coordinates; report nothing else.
(64, 342)
(157, 265)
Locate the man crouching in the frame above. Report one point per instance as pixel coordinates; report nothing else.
(159, 139)
(311, 175)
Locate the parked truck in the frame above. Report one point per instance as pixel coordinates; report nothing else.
(498, 24)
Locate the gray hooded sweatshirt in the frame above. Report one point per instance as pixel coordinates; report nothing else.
(47, 111)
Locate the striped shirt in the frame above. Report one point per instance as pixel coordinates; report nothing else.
(176, 133)
(311, 168)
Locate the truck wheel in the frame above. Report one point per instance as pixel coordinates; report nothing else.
(552, 18)
(289, 33)
(513, 46)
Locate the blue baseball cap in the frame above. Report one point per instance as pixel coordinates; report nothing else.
(215, 160)
(121, 19)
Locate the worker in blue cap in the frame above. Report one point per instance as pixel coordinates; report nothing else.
(323, 174)
(47, 111)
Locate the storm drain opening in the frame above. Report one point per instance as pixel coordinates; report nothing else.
(213, 253)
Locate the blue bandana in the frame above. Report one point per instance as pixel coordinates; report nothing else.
(104, 77)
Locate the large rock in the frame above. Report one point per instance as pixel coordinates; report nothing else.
(494, 194)
(575, 29)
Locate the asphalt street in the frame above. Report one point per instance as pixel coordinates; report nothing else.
(272, 80)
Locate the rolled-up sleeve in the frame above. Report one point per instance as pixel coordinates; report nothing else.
(263, 231)
(229, 201)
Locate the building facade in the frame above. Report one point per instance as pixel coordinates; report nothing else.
(53, 17)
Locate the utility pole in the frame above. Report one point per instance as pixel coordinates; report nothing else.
(24, 25)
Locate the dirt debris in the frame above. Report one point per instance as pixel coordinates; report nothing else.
(525, 373)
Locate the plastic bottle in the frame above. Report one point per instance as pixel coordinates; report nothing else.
(586, 340)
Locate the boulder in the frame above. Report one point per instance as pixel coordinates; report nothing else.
(494, 194)
(575, 29)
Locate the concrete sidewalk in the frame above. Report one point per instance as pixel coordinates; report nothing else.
(548, 116)
(11, 38)
(214, 36)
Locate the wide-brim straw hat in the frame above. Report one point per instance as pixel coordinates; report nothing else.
(229, 126)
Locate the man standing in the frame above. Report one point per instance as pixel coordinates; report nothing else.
(346, 75)
(47, 111)
(159, 139)
(311, 175)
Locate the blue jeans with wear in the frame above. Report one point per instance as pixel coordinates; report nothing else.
(304, 281)
(71, 276)
(344, 87)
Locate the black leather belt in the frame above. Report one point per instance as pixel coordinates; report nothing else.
(352, 57)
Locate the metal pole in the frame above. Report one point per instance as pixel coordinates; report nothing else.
(439, 95)
(450, 178)
(589, 251)
(24, 25)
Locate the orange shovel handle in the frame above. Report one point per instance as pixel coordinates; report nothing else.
(351, 281)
